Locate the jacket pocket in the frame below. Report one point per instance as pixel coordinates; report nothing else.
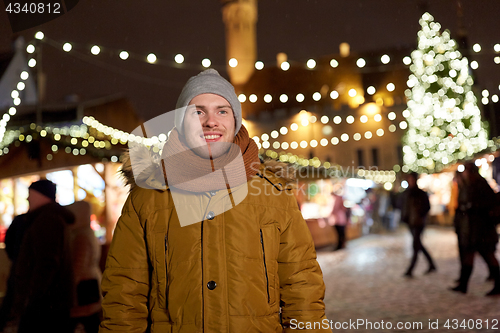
(266, 275)
(270, 246)
(161, 269)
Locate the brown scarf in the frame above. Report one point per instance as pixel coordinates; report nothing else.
(181, 165)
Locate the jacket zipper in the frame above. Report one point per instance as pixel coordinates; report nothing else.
(265, 266)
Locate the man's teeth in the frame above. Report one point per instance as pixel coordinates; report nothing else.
(211, 137)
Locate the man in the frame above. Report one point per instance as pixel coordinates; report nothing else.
(476, 228)
(42, 271)
(207, 242)
(415, 208)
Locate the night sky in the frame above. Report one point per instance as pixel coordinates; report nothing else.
(302, 29)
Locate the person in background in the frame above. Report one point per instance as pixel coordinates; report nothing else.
(13, 239)
(415, 206)
(396, 204)
(43, 271)
(338, 218)
(476, 227)
(85, 253)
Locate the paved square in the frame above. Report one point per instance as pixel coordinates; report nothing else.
(365, 281)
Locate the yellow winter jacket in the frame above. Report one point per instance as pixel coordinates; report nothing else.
(231, 273)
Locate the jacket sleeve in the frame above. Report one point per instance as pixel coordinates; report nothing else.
(125, 283)
(301, 280)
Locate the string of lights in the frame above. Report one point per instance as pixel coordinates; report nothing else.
(179, 61)
(385, 177)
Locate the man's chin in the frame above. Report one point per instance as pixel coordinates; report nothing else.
(216, 150)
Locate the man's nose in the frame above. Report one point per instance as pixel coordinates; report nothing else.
(210, 121)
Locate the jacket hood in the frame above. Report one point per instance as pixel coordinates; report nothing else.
(147, 172)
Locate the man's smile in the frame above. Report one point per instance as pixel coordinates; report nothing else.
(212, 136)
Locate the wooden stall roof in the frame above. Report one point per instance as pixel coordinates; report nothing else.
(31, 157)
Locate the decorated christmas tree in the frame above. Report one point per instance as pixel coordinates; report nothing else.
(444, 121)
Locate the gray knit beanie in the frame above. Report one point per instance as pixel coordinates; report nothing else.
(207, 82)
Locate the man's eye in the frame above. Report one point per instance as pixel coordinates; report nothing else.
(223, 112)
(198, 112)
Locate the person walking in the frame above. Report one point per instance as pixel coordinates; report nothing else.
(338, 218)
(210, 239)
(476, 228)
(85, 255)
(414, 212)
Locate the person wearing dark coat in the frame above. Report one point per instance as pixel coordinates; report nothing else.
(415, 206)
(43, 283)
(460, 221)
(13, 239)
(476, 227)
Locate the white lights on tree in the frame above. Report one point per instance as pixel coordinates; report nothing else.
(443, 119)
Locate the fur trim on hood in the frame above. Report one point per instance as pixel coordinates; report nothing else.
(148, 173)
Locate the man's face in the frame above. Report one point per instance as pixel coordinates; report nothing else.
(209, 125)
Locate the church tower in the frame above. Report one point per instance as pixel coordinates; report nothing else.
(240, 19)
